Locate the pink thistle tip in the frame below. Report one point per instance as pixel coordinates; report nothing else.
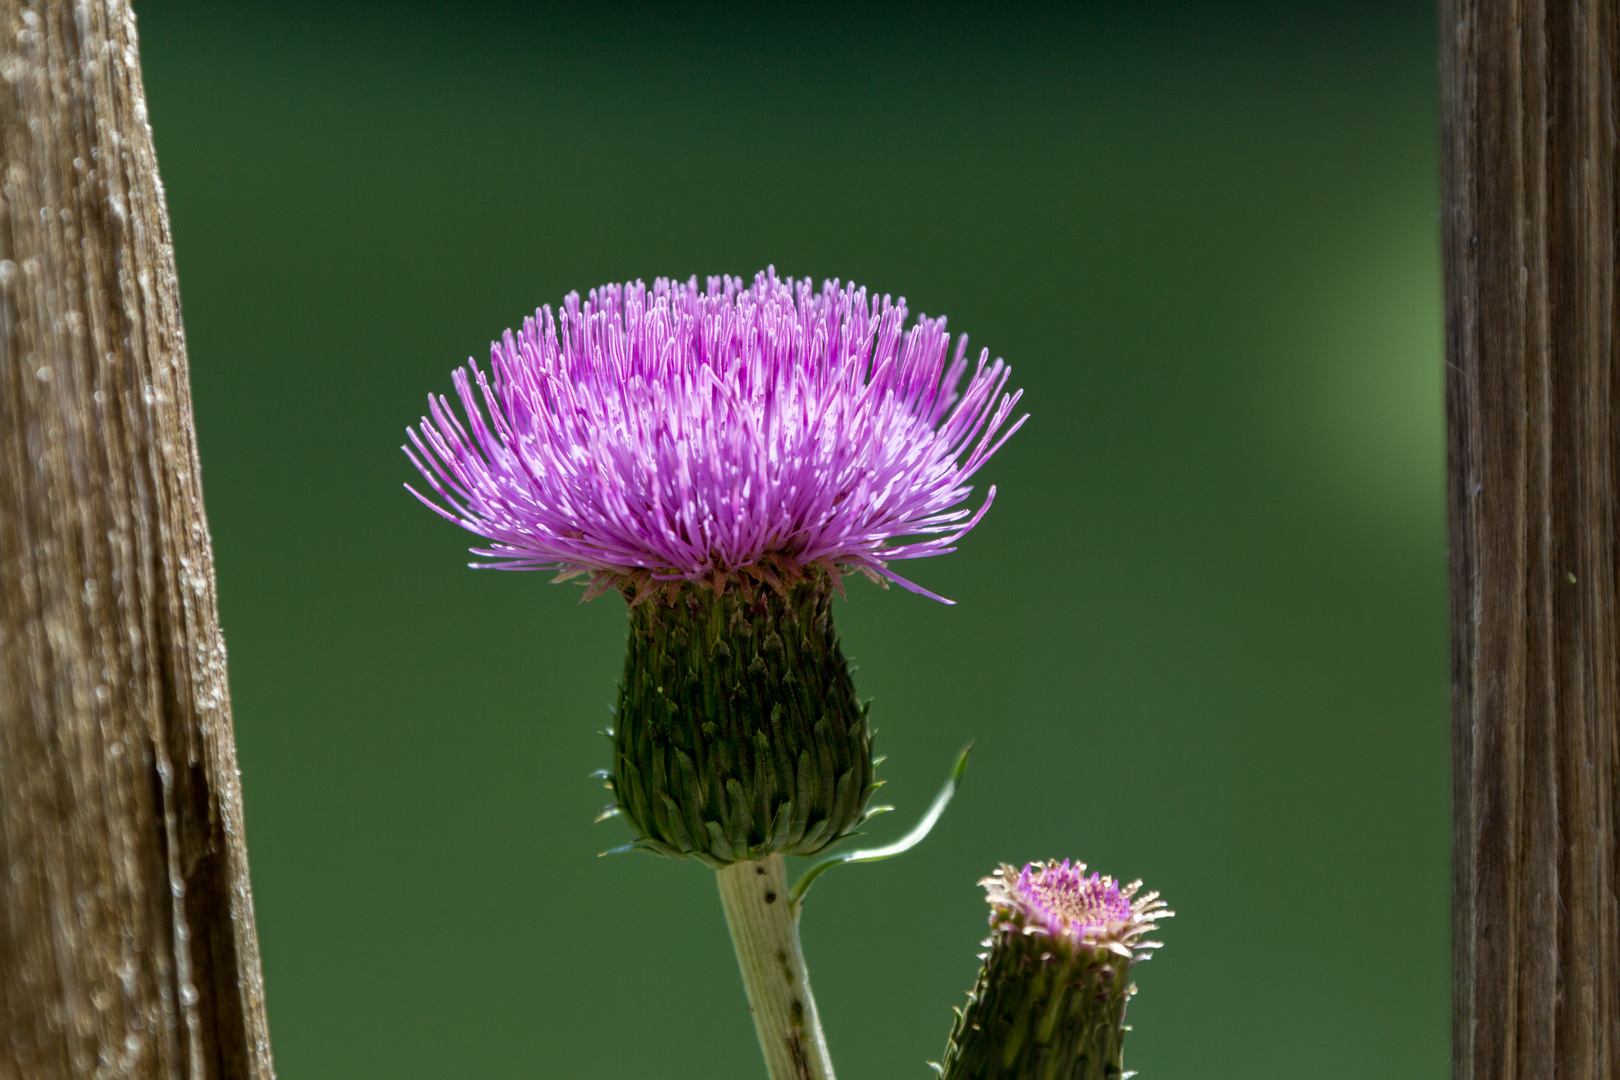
(1059, 901)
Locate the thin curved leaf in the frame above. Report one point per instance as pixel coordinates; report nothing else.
(900, 846)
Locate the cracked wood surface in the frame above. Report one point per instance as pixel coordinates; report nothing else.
(1528, 211)
(127, 942)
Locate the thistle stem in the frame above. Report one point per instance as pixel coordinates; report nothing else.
(764, 924)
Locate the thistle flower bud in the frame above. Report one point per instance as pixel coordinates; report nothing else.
(739, 734)
(1050, 1000)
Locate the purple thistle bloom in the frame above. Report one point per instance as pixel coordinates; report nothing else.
(1051, 997)
(1059, 901)
(677, 433)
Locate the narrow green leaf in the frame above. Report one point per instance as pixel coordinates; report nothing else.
(641, 845)
(900, 846)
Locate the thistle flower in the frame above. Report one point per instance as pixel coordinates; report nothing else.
(672, 433)
(721, 456)
(1050, 999)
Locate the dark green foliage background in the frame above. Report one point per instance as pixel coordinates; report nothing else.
(1200, 639)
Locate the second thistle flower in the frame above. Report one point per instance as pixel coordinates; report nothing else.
(1050, 1000)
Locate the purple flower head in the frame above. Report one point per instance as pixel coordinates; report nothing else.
(1059, 901)
(678, 433)
(1066, 901)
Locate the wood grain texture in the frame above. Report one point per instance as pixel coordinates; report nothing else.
(1528, 102)
(127, 943)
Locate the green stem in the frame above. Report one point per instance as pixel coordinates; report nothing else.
(764, 924)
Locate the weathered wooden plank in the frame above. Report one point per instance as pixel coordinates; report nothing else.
(1528, 103)
(127, 944)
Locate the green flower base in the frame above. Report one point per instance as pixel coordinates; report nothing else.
(738, 734)
(1042, 1010)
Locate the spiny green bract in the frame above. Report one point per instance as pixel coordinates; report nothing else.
(738, 732)
(1042, 1010)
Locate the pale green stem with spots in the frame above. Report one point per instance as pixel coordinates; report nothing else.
(764, 923)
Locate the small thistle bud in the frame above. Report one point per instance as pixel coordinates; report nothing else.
(1050, 999)
(739, 734)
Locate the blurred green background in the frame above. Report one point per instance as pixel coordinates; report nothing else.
(1201, 638)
